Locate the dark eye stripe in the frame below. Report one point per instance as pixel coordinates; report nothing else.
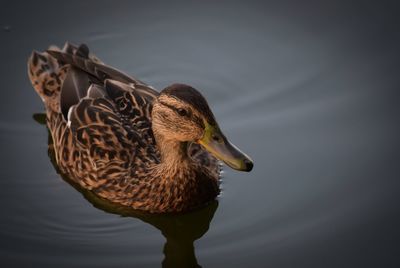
(177, 110)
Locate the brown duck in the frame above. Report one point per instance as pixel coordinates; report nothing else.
(119, 138)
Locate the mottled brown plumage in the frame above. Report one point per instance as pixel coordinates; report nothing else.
(121, 139)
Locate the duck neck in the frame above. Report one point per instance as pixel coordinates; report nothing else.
(174, 156)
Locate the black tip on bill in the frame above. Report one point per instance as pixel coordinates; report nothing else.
(248, 165)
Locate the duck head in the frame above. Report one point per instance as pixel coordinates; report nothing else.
(182, 114)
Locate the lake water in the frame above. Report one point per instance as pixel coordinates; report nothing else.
(309, 90)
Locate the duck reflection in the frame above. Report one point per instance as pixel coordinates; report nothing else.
(179, 230)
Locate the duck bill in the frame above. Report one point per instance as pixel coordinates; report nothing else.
(218, 145)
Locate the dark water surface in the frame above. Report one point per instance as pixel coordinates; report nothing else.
(308, 89)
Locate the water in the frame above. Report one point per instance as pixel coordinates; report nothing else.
(309, 90)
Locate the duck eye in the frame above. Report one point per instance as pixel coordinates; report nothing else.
(182, 112)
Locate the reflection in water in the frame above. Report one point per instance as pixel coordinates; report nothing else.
(179, 230)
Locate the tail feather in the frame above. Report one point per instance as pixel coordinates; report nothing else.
(48, 71)
(46, 75)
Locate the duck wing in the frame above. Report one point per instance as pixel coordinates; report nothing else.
(110, 142)
(81, 58)
(108, 112)
(85, 70)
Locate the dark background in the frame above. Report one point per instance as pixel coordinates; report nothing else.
(309, 89)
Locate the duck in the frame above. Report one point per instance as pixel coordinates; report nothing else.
(124, 141)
